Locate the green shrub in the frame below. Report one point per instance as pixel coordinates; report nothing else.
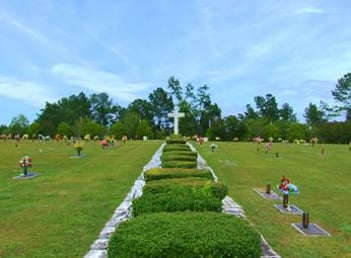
(176, 147)
(165, 158)
(175, 141)
(177, 197)
(216, 189)
(180, 152)
(163, 173)
(179, 164)
(186, 234)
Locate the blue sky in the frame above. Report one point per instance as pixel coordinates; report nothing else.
(49, 49)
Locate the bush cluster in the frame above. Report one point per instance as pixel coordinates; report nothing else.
(179, 164)
(163, 173)
(179, 153)
(176, 147)
(166, 158)
(172, 195)
(175, 141)
(216, 189)
(185, 234)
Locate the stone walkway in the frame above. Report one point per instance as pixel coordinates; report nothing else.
(123, 212)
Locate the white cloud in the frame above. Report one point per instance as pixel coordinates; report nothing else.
(32, 93)
(310, 10)
(99, 81)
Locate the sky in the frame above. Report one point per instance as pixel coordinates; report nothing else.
(49, 49)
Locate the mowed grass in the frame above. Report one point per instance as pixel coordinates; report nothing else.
(61, 212)
(324, 181)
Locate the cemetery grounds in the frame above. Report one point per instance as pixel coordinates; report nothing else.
(61, 212)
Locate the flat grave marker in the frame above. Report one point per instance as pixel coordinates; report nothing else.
(309, 229)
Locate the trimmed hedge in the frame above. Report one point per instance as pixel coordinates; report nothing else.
(177, 199)
(166, 158)
(185, 234)
(163, 173)
(175, 141)
(180, 152)
(179, 164)
(216, 189)
(176, 147)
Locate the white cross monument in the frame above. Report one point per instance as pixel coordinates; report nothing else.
(176, 115)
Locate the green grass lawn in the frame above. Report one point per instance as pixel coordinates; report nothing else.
(61, 212)
(325, 189)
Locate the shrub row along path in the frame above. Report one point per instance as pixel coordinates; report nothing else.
(123, 212)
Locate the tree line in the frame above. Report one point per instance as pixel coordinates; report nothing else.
(97, 115)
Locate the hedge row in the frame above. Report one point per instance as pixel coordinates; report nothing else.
(179, 153)
(185, 234)
(163, 225)
(175, 141)
(179, 164)
(166, 158)
(163, 173)
(176, 147)
(177, 199)
(173, 195)
(215, 189)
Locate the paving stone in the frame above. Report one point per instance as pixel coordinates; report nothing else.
(99, 244)
(106, 232)
(96, 254)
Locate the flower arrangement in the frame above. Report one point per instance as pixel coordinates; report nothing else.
(78, 145)
(104, 144)
(286, 187)
(25, 162)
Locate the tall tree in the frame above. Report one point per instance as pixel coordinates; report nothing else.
(50, 117)
(342, 94)
(187, 125)
(314, 116)
(33, 130)
(162, 104)
(144, 108)
(67, 110)
(64, 129)
(231, 126)
(250, 113)
(74, 107)
(130, 123)
(175, 89)
(102, 109)
(19, 125)
(286, 113)
(202, 105)
(267, 107)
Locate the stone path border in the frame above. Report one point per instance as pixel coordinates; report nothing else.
(123, 212)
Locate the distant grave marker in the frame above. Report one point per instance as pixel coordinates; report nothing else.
(78, 146)
(26, 163)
